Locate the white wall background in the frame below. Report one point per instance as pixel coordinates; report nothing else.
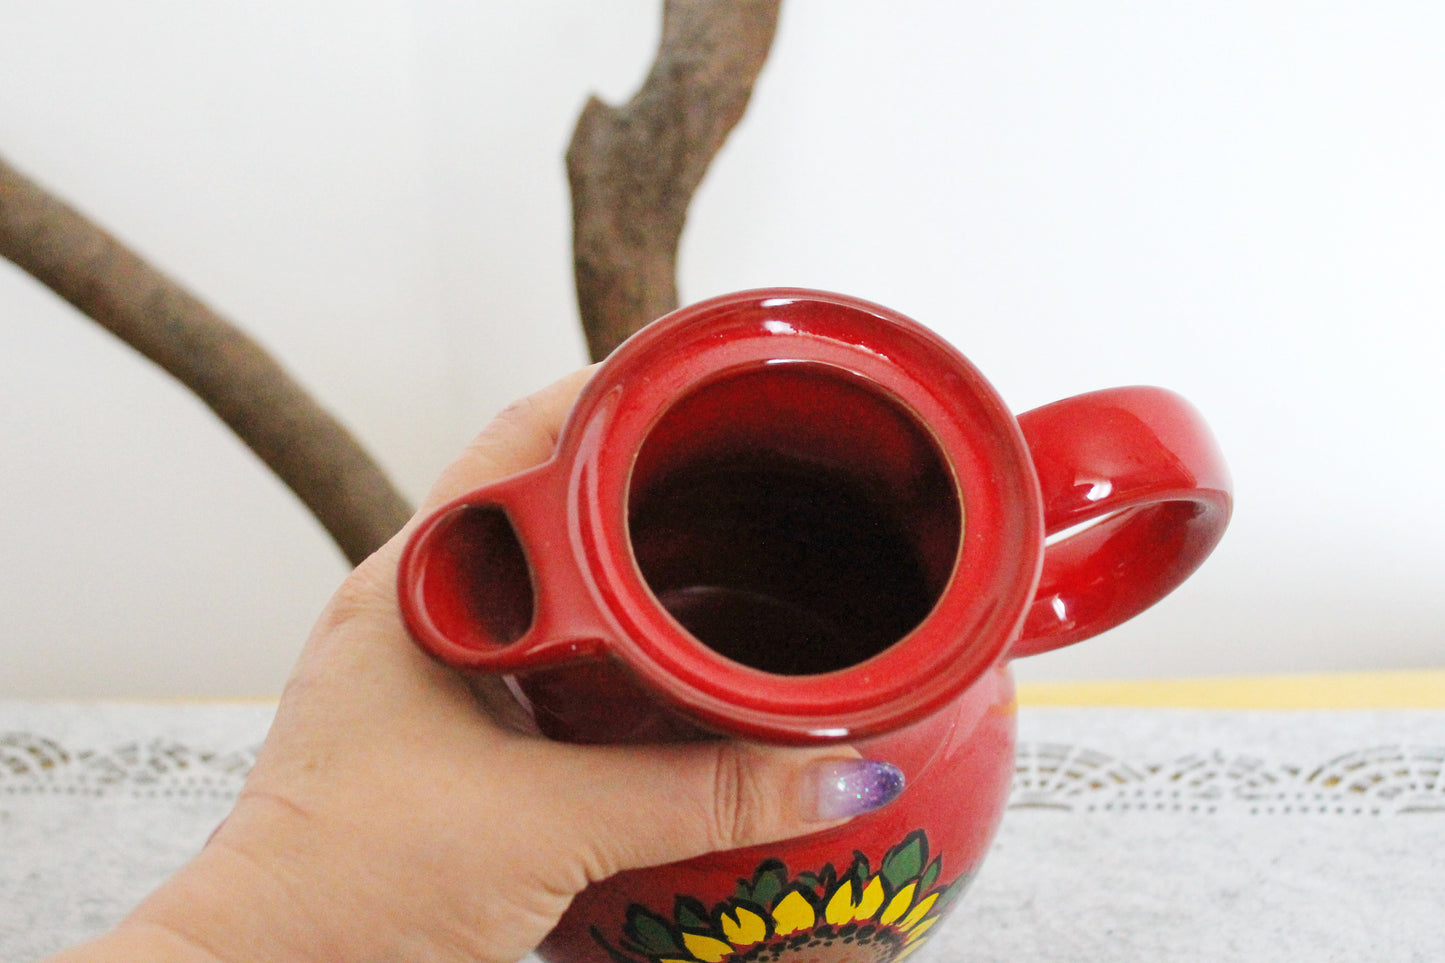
(1241, 200)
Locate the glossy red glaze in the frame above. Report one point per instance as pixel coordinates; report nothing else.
(862, 393)
(1141, 463)
(959, 766)
(799, 517)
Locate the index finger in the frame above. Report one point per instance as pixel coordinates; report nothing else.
(523, 436)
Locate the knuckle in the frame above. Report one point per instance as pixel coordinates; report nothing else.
(740, 805)
(525, 417)
(366, 592)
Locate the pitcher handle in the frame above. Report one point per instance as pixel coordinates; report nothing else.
(1135, 496)
(490, 581)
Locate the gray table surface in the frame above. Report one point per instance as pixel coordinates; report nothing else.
(1132, 835)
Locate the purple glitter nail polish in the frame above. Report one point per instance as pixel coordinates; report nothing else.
(850, 787)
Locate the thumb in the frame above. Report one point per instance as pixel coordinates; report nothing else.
(650, 805)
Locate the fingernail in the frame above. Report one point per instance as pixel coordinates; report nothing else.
(840, 788)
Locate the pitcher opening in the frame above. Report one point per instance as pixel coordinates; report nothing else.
(793, 517)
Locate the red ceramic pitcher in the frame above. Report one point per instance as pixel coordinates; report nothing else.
(798, 517)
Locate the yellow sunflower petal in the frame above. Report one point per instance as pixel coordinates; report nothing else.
(871, 900)
(905, 954)
(918, 912)
(705, 948)
(899, 904)
(917, 934)
(746, 929)
(840, 908)
(793, 913)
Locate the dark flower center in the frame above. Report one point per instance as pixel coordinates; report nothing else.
(851, 943)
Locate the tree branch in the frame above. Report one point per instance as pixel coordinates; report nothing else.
(634, 169)
(297, 439)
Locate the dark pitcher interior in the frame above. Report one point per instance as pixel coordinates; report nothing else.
(794, 518)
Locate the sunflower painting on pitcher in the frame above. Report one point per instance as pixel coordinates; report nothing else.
(860, 916)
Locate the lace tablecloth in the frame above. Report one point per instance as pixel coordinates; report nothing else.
(1133, 834)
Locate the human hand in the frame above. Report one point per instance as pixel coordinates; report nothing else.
(384, 817)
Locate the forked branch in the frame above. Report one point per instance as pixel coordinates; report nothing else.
(633, 169)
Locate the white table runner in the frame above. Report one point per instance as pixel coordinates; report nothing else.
(1133, 835)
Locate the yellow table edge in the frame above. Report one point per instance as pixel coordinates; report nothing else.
(1409, 689)
(1406, 689)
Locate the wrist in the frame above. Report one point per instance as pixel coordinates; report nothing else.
(234, 902)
